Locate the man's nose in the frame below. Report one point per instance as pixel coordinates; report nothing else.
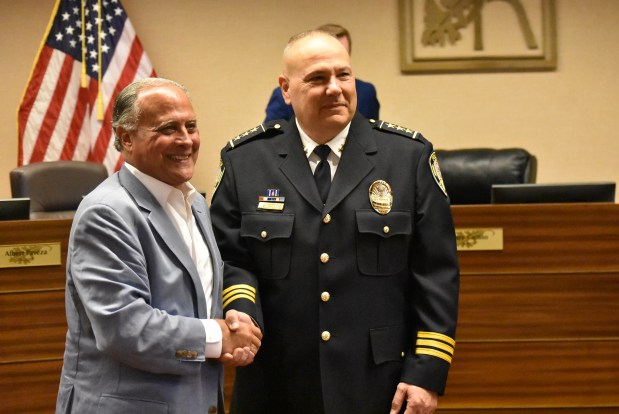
(183, 136)
(333, 87)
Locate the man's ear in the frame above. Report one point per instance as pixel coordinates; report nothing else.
(126, 140)
(285, 87)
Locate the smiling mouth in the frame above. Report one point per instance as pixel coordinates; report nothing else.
(179, 157)
(335, 105)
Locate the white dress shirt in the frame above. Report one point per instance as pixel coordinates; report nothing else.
(176, 202)
(336, 145)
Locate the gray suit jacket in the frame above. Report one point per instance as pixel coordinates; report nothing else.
(133, 301)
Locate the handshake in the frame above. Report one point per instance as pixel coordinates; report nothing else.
(240, 339)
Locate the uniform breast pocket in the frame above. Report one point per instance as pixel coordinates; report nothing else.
(383, 241)
(269, 239)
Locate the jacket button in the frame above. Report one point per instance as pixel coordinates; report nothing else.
(386, 229)
(324, 257)
(212, 410)
(263, 234)
(327, 219)
(325, 296)
(326, 335)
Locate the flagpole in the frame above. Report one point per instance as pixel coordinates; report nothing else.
(84, 75)
(100, 63)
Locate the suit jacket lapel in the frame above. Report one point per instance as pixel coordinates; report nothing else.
(354, 164)
(165, 228)
(201, 215)
(296, 167)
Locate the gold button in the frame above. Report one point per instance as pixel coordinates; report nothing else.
(386, 229)
(263, 234)
(277, 126)
(325, 296)
(326, 335)
(326, 219)
(212, 410)
(403, 354)
(324, 257)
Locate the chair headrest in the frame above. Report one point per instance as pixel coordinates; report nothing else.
(56, 185)
(469, 173)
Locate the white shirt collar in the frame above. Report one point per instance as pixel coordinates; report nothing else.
(161, 190)
(336, 144)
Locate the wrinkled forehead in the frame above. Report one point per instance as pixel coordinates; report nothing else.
(163, 101)
(315, 50)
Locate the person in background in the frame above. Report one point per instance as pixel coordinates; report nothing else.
(337, 237)
(367, 102)
(146, 332)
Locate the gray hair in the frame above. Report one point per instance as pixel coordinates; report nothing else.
(308, 33)
(126, 112)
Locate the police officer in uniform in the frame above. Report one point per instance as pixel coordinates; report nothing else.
(338, 240)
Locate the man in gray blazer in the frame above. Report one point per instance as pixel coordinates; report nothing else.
(144, 275)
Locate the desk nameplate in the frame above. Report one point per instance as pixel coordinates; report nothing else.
(28, 255)
(479, 239)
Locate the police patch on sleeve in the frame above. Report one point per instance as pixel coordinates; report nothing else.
(220, 174)
(436, 173)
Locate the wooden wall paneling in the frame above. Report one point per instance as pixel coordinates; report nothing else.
(32, 321)
(532, 374)
(29, 386)
(544, 238)
(538, 306)
(538, 329)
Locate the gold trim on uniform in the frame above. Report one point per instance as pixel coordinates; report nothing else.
(220, 174)
(432, 352)
(235, 292)
(388, 126)
(381, 198)
(435, 344)
(436, 172)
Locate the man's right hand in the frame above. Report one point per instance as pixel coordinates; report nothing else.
(241, 339)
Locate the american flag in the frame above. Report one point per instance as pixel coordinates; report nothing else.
(83, 63)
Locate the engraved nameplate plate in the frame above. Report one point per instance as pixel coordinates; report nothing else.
(28, 255)
(479, 238)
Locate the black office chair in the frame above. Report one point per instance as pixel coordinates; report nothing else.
(56, 188)
(469, 173)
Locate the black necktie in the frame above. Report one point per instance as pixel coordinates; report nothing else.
(322, 174)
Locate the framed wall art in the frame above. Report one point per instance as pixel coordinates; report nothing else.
(477, 35)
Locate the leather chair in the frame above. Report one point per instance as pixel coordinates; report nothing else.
(56, 188)
(469, 173)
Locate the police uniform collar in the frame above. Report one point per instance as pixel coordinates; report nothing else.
(336, 144)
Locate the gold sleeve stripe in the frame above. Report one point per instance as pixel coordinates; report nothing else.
(435, 344)
(239, 296)
(437, 336)
(236, 292)
(433, 352)
(234, 287)
(241, 289)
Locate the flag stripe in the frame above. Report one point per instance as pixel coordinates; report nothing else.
(57, 118)
(63, 125)
(125, 77)
(53, 110)
(68, 150)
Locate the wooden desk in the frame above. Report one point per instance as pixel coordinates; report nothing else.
(538, 329)
(32, 321)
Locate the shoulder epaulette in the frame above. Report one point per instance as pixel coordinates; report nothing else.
(394, 129)
(257, 131)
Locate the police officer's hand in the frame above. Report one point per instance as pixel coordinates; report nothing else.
(417, 400)
(241, 339)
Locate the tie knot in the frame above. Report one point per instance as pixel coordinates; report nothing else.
(322, 151)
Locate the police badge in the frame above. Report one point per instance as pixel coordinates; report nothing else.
(381, 198)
